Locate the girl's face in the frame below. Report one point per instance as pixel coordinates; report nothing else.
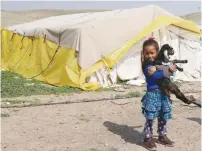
(150, 53)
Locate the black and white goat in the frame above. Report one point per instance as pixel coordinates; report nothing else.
(165, 84)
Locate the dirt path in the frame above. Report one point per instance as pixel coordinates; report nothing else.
(94, 126)
(99, 125)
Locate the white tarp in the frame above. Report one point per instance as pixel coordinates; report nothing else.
(96, 34)
(129, 68)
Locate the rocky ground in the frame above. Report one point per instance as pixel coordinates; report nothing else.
(102, 123)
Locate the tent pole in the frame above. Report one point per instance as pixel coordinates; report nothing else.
(179, 50)
(159, 38)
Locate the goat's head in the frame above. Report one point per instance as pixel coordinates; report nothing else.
(167, 51)
(168, 48)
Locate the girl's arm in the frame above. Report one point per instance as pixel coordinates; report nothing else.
(156, 74)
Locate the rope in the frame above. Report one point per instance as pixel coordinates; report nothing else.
(20, 58)
(51, 58)
(10, 48)
(32, 42)
(188, 45)
(22, 41)
(47, 65)
(181, 40)
(183, 37)
(120, 104)
(32, 45)
(12, 36)
(44, 39)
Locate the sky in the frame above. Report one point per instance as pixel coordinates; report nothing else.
(175, 7)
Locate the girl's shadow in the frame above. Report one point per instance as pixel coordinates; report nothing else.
(128, 133)
(195, 119)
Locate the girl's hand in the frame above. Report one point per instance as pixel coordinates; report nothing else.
(173, 68)
(151, 70)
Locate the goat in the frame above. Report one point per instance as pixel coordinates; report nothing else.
(165, 84)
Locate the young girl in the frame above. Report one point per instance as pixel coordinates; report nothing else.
(155, 103)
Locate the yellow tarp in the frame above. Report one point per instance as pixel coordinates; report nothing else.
(58, 66)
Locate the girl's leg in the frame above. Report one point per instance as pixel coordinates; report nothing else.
(164, 115)
(148, 140)
(148, 130)
(162, 131)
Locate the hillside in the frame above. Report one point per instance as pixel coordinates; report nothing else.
(195, 17)
(18, 17)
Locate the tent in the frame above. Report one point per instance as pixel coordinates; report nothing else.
(81, 50)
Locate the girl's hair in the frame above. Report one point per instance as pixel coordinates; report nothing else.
(149, 42)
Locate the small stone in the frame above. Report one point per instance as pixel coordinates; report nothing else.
(29, 84)
(29, 79)
(46, 85)
(119, 89)
(192, 105)
(126, 87)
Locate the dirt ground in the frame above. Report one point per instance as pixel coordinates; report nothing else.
(97, 126)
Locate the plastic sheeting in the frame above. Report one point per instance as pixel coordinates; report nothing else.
(45, 60)
(130, 68)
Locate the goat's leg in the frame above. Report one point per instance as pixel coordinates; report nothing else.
(179, 61)
(175, 90)
(166, 92)
(179, 69)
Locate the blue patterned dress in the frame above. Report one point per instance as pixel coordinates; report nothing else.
(155, 104)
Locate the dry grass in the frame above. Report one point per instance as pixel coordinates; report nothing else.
(129, 95)
(5, 115)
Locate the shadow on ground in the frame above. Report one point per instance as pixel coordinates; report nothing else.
(128, 133)
(195, 119)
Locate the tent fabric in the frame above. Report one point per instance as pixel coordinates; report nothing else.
(65, 50)
(129, 67)
(90, 33)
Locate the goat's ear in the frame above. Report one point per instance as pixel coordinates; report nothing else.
(165, 45)
(166, 57)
